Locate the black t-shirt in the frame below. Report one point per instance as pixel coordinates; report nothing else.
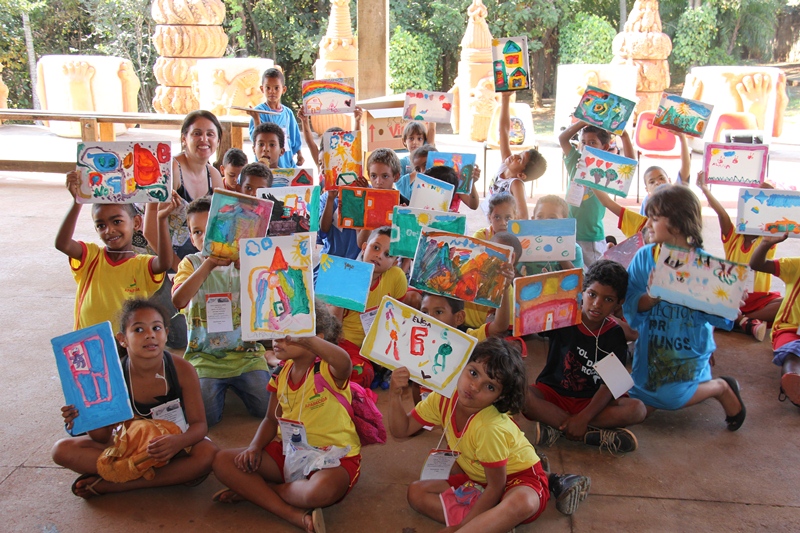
(572, 354)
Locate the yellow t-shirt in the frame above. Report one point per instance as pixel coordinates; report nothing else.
(490, 438)
(392, 283)
(325, 418)
(788, 317)
(631, 222)
(475, 314)
(104, 284)
(735, 251)
(478, 333)
(486, 234)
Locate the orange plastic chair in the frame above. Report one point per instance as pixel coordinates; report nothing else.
(736, 120)
(653, 142)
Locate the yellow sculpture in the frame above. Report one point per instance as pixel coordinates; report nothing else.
(3, 92)
(221, 83)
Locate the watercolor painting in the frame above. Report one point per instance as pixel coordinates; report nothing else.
(679, 114)
(623, 252)
(545, 240)
(735, 163)
(331, 289)
(291, 177)
(430, 193)
(768, 212)
(124, 172)
(294, 209)
(547, 301)
(699, 281)
(342, 158)
(434, 353)
(463, 164)
(329, 97)
(91, 377)
(604, 171)
(510, 64)
(605, 110)
(407, 224)
(461, 267)
(234, 216)
(278, 299)
(428, 106)
(365, 208)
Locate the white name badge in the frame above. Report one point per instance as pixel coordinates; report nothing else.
(367, 318)
(219, 313)
(438, 464)
(575, 194)
(614, 375)
(172, 412)
(287, 430)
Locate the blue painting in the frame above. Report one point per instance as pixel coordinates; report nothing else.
(91, 377)
(331, 288)
(463, 164)
(407, 223)
(545, 240)
(605, 110)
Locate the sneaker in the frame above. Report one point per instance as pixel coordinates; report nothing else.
(614, 440)
(569, 490)
(756, 328)
(546, 435)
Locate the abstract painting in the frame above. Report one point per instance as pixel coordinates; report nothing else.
(332, 289)
(735, 163)
(428, 106)
(605, 110)
(430, 193)
(604, 171)
(365, 208)
(699, 281)
(547, 301)
(434, 353)
(679, 114)
(124, 172)
(768, 212)
(623, 252)
(407, 223)
(294, 209)
(463, 164)
(91, 377)
(510, 64)
(545, 240)
(329, 97)
(291, 177)
(278, 299)
(461, 267)
(341, 158)
(234, 216)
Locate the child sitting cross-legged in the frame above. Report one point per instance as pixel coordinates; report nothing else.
(569, 397)
(551, 207)
(257, 473)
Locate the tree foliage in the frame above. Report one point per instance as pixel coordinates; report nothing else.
(412, 62)
(587, 39)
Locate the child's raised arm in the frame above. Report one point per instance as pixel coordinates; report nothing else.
(472, 200)
(567, 134)
(166, 257)
(64, 241)
(502, 317)
(337, 358)
(686, 158)
(308, 137)
(401, 423)
(725, 224)
(504, 126)
(627, 145)
(608, 202)
(758, 261)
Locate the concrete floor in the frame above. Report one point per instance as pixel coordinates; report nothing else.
(688, 474)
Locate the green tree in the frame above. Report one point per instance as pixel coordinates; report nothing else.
(412, 62)
(586, 39)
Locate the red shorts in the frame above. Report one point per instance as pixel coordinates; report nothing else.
(565, 403)
(782, 337)
(352, 465)
(758, 300)
(533, 477)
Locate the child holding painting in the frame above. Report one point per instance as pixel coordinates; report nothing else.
(268, 140)
(416, 135)
(233, 162)
(383, 170)
(551, 207)
(671, 367)
(216, 350)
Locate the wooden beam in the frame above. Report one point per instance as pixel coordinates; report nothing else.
(55, 167)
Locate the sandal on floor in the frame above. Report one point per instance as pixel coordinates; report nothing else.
(317, 520)
(735, 422)
(89, 487)
(217, 497)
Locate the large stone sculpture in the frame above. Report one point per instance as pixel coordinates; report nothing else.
(645, 46)
(219, 84)
(187, 31)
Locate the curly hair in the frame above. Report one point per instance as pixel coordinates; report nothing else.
(258, 170)
(129, 307)
(602, 135)
(199, 205)
(270, 127)
(327, 324)
(609, 273)
(385, 156)
(681, 208)
(502, 362)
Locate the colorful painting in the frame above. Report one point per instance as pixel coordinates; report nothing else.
(341, 158)
(364, 208)
(294, 209)
(278, 299)
(331, 289)
(547, 301)
(91, 377)
(463, 164)
(434, 353)
(407, 224)
(430, 193)
(461, 267)
(329, 97)
(291, 177)
(623, 252)
(605, 171)
(735, 163)
(679, 114)
(699, 281)
(605, 110)
(510, 64)
(428, 106)
(124, 172)
(768, 212)
(234, 216)
(545, 240)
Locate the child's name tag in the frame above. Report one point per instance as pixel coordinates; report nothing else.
(287, 430)
(172, 412)
(575, 194)
(439, 464)
(368, 317)
(219, 313)
(614, 375)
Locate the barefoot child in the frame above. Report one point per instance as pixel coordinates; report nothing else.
(153, 378)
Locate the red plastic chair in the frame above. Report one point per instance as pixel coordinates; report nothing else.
(653, 142)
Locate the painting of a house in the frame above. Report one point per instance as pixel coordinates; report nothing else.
(547, 301)
(510, 63)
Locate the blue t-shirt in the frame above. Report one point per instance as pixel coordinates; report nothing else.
(336, 241)
(405, 165)
(404, 185)
(292, 140)
(675, 342)
(678, 181)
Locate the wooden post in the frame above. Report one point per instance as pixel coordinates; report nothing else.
(224, 142)
(89, 130)
(107, 132)
(373, 49)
